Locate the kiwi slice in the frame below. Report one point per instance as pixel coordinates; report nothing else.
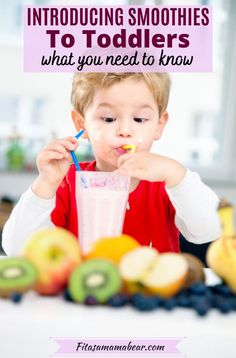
(98, 278)
(17, 275)
(195, 270)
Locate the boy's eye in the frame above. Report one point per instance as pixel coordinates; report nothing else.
(140, 120)
(108, 119)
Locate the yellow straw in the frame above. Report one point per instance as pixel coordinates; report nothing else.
(131, 147)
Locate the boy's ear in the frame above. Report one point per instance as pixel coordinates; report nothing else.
(161, 125)
(79, 122)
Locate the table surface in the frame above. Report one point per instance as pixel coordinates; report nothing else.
(27, 328)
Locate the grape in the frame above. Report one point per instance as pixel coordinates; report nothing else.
(144, 303)
(118, 300)
(90, 301)
(170, 303)
(201, 307)
(198, 288)
(222, 289)
(16, 297)
(67, 296)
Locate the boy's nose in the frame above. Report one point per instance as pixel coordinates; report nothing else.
(125, 130)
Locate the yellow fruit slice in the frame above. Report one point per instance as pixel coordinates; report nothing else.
(112, 248)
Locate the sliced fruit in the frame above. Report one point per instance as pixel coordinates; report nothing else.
(221, 258)
(96, 278)
(55, 253)
(17, 275)
(146, 271)
(167, 276)
(195, 270)
(135, 265)
(113, 248)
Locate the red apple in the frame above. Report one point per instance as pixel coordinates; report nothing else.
(55, 253)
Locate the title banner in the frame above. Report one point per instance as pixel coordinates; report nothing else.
(118, 39)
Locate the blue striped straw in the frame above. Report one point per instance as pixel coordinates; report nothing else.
(74, 158)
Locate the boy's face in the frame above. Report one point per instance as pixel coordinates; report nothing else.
(125, 113)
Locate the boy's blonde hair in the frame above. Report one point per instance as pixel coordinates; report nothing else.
(85, 84)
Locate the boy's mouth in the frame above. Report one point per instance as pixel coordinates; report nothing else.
(121, 150)
(127, 148)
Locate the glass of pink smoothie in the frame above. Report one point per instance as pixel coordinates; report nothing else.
(101, 204)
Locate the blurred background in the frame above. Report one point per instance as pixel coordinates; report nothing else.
(34, 108)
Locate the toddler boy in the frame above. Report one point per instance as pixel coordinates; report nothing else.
(118, 109)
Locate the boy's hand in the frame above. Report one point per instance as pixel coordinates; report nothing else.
(151, 167)
(53, 163)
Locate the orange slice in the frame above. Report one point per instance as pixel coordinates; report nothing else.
(112, 248)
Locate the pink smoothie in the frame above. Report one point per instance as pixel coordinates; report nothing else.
(101, 206)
